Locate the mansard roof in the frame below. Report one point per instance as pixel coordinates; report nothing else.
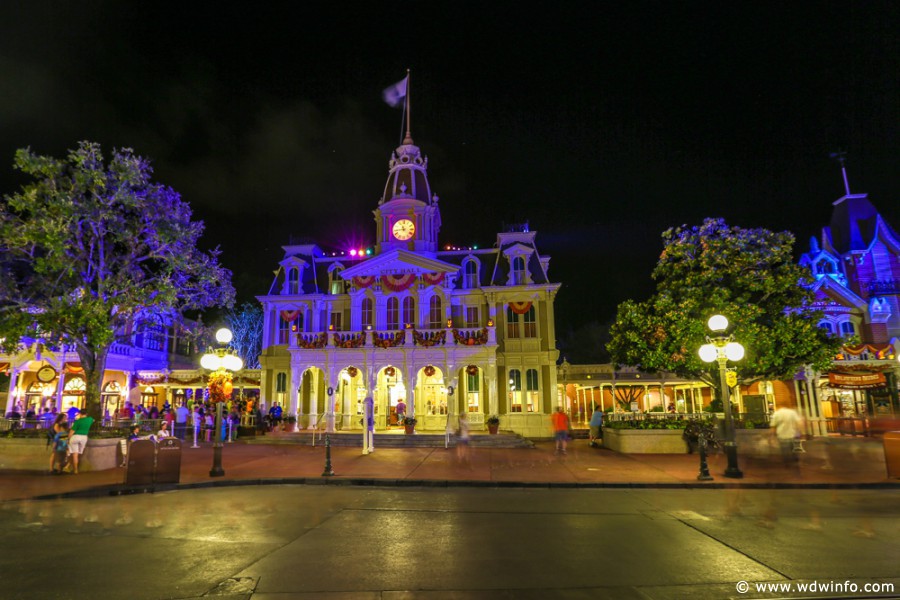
(855, 223)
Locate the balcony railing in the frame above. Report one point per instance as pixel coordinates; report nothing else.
(426, 338)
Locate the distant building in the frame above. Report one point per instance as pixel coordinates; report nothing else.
(856, 265)
(444, 331)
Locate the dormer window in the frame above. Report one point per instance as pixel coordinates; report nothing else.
(825, 267)
(518, 271)
(470, 278)
(293, 281)
(337, 282)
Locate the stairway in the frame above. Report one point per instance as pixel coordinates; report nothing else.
(392, 440)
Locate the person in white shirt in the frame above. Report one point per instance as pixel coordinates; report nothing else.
(163, 430)
(785, 424)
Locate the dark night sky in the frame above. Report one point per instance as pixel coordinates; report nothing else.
(602, 125)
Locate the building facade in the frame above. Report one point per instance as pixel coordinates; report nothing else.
(856, 266)
(444, 331)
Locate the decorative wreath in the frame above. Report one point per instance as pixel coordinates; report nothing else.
(429, 371)
(390, 371)
(352, 371)
(220, 386)
(471, 370)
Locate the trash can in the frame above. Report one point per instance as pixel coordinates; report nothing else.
(168, 460)
(140, 462)
(892, 453)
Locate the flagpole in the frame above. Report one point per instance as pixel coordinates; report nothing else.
(407, 108)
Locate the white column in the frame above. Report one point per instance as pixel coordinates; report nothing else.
(13, 387)
(60, 385)
(294, 391)
(491, 386)
(411, 396)
(329, 411)
(313, 397)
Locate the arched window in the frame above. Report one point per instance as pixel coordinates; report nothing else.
(824, 266)
(470, 280)
(848, 329)
(281, 382)
(530, 323)
(435, 314)
(518, 271)
(297, 324)
(473, 393)
(515, 390)
(826, 326)
(293, 286)
(393, 313)
(512, 323)
(532, 390)
(409, 311)
(366, 313)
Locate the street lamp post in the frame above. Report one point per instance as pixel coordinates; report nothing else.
(721, 348)
(222, 362)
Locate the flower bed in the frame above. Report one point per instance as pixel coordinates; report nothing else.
(645, 441)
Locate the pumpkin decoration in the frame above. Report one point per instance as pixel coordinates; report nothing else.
(471, 370)
(352, 372)
(390, 371)
(429, 371)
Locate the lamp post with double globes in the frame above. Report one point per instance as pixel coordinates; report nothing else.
(222, 362)
(721, 348)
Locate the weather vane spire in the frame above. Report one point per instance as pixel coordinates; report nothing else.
(841, 157)
(408, 139)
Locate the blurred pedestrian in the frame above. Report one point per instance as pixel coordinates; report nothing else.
(785, 424)
(560, 429)
(462, 440)
(596, 425)
(59, 444)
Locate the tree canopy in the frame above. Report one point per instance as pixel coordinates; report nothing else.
(89, 248)
(749, 276)
(246, 323)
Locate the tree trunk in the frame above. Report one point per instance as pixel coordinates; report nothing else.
(93, 361)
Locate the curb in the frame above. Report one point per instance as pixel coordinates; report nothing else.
(124, 490)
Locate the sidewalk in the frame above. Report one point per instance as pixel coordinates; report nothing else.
(829, 462)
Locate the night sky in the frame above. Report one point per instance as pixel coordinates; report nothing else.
(601, 125)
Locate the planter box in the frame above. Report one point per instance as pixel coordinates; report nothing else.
(645, 441)
(34, 455)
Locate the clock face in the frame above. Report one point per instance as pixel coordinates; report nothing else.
(404, 229)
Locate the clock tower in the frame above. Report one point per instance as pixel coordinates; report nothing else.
(408, 217)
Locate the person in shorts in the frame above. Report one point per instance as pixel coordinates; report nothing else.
(560, 421)
(78, 437)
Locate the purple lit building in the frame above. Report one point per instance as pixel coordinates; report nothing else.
(856, 266)
(444, 331)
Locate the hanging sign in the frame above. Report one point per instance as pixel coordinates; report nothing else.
(856, 381)
(46, 374)
(731, 378)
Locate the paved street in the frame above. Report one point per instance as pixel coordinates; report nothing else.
(276, 542)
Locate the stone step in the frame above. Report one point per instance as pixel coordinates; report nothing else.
(392, 440)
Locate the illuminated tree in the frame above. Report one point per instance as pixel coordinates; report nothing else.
(246, 323)
(89, 248)
(749, 276)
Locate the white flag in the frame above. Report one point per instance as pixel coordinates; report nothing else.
(395, 94)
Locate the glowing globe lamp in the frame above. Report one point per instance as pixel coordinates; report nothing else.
(223, 336)
(210, 361)
(708, 353)
(734, 351)
(232, 362)
(718, 323)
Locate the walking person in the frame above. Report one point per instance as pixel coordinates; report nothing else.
(59, 443)
(462, 440)
(596, 425)
(401, 412)
(560, 429)
(181, 419)
(785, 423)
(78, 437)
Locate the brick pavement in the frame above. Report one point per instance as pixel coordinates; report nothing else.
(831, 462)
